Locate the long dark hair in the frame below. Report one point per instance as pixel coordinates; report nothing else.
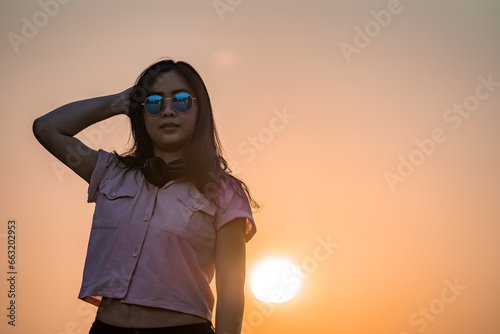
(203, 154)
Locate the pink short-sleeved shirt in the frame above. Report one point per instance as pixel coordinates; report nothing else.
(154, 246)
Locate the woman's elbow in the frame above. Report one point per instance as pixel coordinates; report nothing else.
(39, 129)
(42, 130)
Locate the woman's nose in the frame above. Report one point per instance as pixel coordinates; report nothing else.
(169, 110)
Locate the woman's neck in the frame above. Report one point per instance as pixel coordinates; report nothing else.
(168, 156)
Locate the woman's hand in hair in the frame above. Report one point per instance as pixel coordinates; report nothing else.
(121, 103)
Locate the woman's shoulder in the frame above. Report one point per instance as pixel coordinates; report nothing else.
(110, 165)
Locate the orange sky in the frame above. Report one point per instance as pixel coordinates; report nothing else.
(372, 124)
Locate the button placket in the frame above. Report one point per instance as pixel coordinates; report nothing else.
(145, 219)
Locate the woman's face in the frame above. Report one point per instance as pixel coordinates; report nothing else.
(170, 130)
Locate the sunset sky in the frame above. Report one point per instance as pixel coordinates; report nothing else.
(369, 132)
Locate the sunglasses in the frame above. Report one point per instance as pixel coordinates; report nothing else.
(155, 104)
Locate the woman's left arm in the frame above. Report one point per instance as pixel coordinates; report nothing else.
(230, 276)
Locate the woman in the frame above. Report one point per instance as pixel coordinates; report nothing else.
(168, 213)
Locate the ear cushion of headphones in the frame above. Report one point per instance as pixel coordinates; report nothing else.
(158, 173)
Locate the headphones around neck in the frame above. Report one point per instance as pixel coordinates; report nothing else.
(158, 173)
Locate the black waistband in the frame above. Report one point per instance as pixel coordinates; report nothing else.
(99, 327)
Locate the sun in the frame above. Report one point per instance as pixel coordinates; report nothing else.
(276, 280)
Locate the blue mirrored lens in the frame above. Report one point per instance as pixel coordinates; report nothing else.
(182, 102)
(154, 104)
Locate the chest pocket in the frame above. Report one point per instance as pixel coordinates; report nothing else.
(196, 217)
(111, 204)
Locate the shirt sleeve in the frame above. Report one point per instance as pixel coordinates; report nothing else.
(103, 162)
(234, 204)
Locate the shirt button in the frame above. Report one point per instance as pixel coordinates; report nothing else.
(113, 194)
(135, 253)
(146, 218)
(196, 205)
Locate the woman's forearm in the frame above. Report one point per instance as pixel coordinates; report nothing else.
(229, 314)
(76, 116)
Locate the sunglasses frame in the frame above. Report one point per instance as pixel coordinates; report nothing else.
(165, 105)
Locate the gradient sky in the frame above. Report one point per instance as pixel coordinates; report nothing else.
(365, 148)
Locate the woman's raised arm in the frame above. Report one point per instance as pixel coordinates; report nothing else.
(56, 129)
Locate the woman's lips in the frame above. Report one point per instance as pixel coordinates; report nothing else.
(169, 126)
